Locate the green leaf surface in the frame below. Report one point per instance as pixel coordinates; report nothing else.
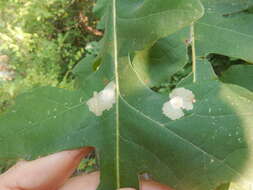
(187, 153)
(204, 72)
(84, 69)
(141, 23)
(29, 129)
(239, 74)
(225, 29)
(62, 119)
(209, 146)
(166, 57)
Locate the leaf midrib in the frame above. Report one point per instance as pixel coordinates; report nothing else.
(115, 56)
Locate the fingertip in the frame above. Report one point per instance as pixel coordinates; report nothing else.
(83, 182)
(52, 170)
(152, 185)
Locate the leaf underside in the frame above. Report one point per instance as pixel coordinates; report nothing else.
(211, 145)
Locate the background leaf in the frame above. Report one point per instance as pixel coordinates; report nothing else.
(225, 29)
(239, 74)
(166, 57)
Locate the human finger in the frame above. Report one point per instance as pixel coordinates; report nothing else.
(45, 173)
(91, 182)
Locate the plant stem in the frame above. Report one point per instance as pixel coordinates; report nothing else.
(193, 53)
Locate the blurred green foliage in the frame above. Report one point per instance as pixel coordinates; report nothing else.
(44, 40)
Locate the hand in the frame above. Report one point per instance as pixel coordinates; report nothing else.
(53, 172)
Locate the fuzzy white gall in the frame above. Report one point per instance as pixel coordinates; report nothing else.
(103, 100)
(181, 99)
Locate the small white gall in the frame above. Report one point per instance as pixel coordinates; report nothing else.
(181, 99)
(177, 102)
(171, 112)
(93, 104)
(103, 100)
(186, 95)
